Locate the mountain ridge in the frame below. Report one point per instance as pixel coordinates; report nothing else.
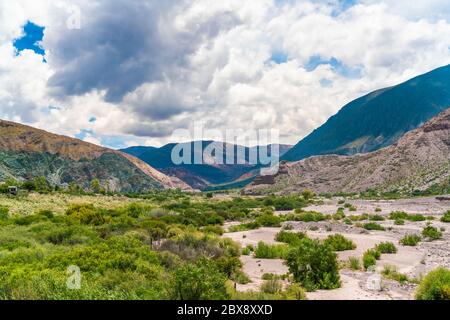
(417, 161)
(378, 119)
(25, 151)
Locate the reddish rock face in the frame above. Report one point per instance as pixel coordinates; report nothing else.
(420, 159)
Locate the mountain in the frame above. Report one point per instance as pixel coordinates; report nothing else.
(212, 172)
(26, 153)
(378, 119)
(417, 161)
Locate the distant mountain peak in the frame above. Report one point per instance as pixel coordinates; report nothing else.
(378, 119)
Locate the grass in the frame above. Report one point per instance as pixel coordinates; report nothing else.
(373, 226)
(431, 233)
(410, 240)
(446, 217)
(391, 272)
(267, 251)
(339, 243)
(386, 247)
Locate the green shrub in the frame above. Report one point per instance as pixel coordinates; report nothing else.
(213, 229)
(309, 216)
(291, 238)
(410, 240)
(376, 217)
(435, 286)
(446, 217)
(4, 212)
(198, 281)
(314, 265)
(354, 263)
(369, 260)
(244, 227)
(416, 217)
(399, 222)
(431, 233)
(386, 247)
(85, 214)
(338, 242)
(267, 251)
(373, 226)
(391, 272)
(272, 286)
(267, 220)
(398, 215)
(240, 277)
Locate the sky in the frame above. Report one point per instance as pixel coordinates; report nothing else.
(122, 73)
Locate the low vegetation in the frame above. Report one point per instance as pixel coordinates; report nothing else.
(313, 265)
(338, 242)
(435, 286)
(410, 240)
(431, 233)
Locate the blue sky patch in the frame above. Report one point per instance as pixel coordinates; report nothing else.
(279, 57)
(33, 35)
(337, 65)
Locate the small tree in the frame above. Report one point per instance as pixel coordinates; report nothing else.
(314, 265)
(199, 281)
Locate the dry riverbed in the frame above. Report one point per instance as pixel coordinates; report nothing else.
(411, 261)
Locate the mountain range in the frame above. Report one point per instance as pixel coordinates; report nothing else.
(27, 153)
(417, 161)
(378, 119)
(214, 171)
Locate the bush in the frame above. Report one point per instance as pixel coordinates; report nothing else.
(435, 286)
(386, 247)
(399, 222)
(291, 238)
(338, 242)
(272, 286)
(268, 220)
(244, 227)
(369, 259)
(431, 233)
(267, 251)
(309, 216)
(199, 281)
(314, 265)
(398, 215)
(391, 272)
(410, 240)
(373, 226)
(354, 263)
(446, 217)
(376, 217)
(416, 217)
(85, 214)
(4, 213)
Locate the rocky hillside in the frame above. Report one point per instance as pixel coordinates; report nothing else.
(210, 173)
(378, 119)
(26, 152)
(419, 160)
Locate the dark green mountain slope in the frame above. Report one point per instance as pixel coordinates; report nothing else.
(378, 119)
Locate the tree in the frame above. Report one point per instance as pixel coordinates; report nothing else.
(314, 265)
(200, 280)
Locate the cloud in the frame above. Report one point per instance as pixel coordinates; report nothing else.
(144, 69)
